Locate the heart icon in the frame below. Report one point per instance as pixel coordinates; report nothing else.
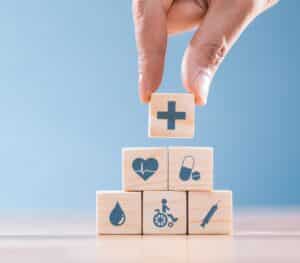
(145, 168)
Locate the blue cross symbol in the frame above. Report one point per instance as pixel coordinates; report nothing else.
(171, 115)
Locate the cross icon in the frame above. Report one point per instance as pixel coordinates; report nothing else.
(171, 115)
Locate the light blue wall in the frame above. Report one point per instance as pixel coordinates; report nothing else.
(68, 104)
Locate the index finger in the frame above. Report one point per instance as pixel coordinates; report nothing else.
(150, 20)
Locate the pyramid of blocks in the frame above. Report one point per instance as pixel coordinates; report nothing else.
(166, 190)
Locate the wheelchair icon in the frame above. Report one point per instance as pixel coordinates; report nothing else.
(162, 218)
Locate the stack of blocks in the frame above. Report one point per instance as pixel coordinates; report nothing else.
(166, 190)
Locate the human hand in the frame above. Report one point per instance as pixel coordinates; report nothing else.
(218, 25)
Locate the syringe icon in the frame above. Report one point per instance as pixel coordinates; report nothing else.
(209, 215)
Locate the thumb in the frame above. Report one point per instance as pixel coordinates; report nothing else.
(222, 25)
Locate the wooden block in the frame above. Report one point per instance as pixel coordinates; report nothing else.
(164, 212)
(210, 212)
(190, 168)
(119, 212)
(145, 169)
(171, 115)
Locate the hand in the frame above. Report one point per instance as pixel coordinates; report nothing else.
(218, 25)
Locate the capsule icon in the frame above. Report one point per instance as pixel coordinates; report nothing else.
(187, 169)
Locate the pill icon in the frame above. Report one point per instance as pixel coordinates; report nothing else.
(186, 170)
(195, 175)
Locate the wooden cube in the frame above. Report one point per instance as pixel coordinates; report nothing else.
(171, 115)
(119, 212)
(164, 212)
(190, 168)
(145, 169)
(210, 212)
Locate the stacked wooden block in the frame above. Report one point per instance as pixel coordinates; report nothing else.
(166, 190)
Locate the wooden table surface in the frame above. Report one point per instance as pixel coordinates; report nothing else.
(260, 235)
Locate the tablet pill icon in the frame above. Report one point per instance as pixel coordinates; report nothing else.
(195, 175)
(186, 170)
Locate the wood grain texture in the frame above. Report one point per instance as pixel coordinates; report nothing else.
(200, 204)
(183, 128)
(134, 182)
(188, 161)
(176, 201)
(131, 204)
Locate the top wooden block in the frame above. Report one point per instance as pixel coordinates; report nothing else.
(171, 115)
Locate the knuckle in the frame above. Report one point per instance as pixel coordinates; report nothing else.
(150, 59)
(248, 6)
(141, 7)
(213, 52)
(269, 3)
(203, 4)
(138, 9)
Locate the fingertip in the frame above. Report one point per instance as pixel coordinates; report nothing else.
(145, 95)
(199, 100)
(144, 100)
(200, 92)
(196, 79)
(202, 87)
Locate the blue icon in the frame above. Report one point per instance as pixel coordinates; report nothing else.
(163, 218)
(209, 215)
(117, 216)
(186, 171)
(145, 168)
(171, 115)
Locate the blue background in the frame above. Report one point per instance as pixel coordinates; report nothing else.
(68, 104)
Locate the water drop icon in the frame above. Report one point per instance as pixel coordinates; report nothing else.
(117, 216)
